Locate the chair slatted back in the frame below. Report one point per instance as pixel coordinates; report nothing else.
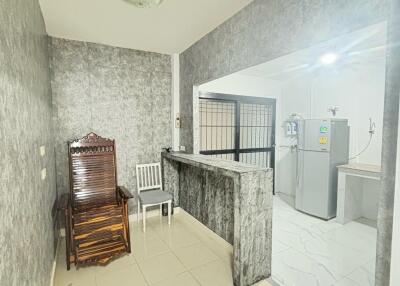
(93, 175)
(148, 176)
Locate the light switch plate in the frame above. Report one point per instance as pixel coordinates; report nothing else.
(178, 121)
(44, 174)
(42, 150)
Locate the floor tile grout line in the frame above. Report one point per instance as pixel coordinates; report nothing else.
(204, 243)
(359, 268)
(319, 227)
(200, 265)
(194, 278)
(144, 277)
(170, 251)
(157, 235)
(317, 262)
(200, 242)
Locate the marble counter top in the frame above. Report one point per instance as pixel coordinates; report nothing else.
(361, 168)
(213, 164)
(232, 199)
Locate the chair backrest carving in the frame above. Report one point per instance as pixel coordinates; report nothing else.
(93, 173)
(148, 176)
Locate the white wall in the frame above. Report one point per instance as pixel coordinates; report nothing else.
(358, 91)
(243, 85)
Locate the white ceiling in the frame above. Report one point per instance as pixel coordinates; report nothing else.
(170, 28)
(355, 49)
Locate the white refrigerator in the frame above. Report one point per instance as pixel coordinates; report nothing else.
(323, 144)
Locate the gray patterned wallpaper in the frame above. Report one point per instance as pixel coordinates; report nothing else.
(264, 30)
(117, 93)
(267, 29)
(389, 149)
(26, 224)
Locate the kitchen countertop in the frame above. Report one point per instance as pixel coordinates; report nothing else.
(232, 199)
(207, 162)
(361, 167)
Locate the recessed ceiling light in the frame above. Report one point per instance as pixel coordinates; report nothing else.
(144, 3)
(329, 58)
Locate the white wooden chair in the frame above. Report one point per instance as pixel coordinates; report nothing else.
(150, 193)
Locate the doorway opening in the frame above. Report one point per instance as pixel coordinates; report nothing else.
(339, 81)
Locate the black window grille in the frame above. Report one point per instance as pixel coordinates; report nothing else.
(239, 128)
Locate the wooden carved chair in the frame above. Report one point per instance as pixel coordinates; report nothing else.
(96, 209)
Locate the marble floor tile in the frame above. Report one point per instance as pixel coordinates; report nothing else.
(356, 236)
(195, 255)
(161, 267)
(129, 276)
(75, 277)
(184, 279)
(339, 259)
(136, 230)
(220, 248)
(118, 263)
(290, 234)
(320, 252)
(346, 282)
(262, 283)
(215, 273)
(365, 274)
(306, 252)
(294, 268)
(160, 256)
(178, 236)
(278, 246)
(148, 247)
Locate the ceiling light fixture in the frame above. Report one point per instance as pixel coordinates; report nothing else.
(329, 58)
(145, 3)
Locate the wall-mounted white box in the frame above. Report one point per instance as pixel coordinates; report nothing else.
(42, 150)
(44, 174)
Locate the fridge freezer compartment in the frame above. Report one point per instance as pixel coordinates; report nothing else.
(312, 196)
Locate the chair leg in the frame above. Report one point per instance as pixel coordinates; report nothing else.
(138, 211)
(144, 218)
(169, 212)
(68, 252)
(67, 242)
(160, 210)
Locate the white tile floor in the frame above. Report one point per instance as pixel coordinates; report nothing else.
(184, 255)
(308, 251)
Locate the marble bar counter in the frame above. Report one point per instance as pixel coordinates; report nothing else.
(351, 200)
(232, 199)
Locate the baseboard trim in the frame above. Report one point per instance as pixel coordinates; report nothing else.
(53, 270)
(153, 213)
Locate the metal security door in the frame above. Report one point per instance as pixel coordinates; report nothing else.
(218, 128)
(239, 128)
(257, 133)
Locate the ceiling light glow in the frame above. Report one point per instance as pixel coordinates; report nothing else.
(329, 58)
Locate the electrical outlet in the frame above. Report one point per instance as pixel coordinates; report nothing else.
(182, 148)
(42, 150)
(44, 174)
(178, 121)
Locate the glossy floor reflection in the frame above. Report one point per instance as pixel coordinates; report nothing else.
(308, 251)
(184, 255)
